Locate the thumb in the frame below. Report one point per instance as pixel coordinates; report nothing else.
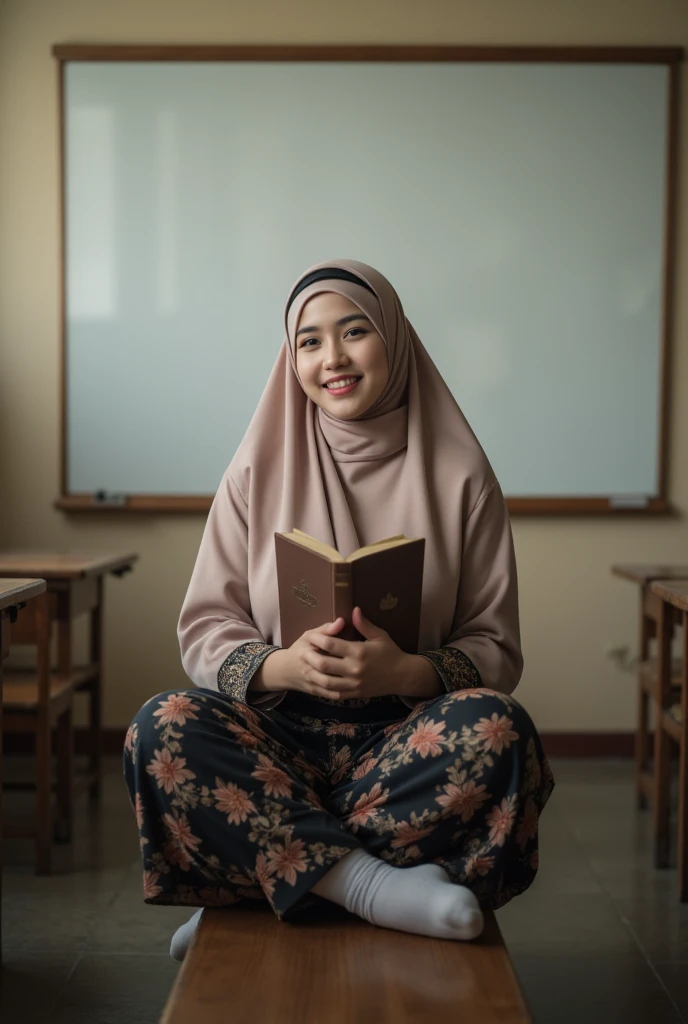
(368, 629)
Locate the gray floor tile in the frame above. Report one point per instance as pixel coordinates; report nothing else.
(660, 927)
(539, 922)
(594, 989)
(132, 926)
(32, 983)
(675, 977)
(112, 989)
(51, 921)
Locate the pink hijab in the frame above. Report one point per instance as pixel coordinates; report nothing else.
(407, 465)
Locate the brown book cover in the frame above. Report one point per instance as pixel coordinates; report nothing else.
(316, 585)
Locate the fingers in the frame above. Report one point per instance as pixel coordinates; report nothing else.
(332, 627)
(330, 687)
(331, 645)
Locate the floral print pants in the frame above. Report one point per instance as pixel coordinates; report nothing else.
(236, 803)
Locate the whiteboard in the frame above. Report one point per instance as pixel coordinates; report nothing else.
(518, 210)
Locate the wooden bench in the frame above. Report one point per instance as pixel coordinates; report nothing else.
(246, 967)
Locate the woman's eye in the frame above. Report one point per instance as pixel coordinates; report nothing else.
(360, 330)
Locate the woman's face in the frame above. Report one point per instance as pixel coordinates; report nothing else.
(327, 348)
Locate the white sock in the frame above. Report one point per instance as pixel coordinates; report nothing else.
(182, 936)
(421, 899)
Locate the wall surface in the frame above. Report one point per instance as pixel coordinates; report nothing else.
(571, 608)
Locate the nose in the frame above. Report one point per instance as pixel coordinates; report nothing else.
(334, 354)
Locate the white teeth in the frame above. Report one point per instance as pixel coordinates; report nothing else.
(341, 383)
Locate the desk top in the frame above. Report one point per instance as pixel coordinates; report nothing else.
(16, 591)
(673, 591)
(647, 573)
(53, 565)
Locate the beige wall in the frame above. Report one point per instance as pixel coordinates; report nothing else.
(571, 608)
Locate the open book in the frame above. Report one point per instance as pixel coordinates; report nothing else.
(316, 585)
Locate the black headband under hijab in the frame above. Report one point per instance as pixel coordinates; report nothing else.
(326, 274)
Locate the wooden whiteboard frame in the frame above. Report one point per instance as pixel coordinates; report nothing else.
(670, 56)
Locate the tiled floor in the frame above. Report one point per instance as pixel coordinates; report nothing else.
(599, 938)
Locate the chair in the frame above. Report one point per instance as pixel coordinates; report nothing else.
(648, 668)
(37, 701)
(671, 724)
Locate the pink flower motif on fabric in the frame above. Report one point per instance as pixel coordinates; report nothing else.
(463, 800)
(182, 840)
(176, 709)
(285, 860)
(275, 781)
(168, 771)
(495, 733)
(406, 833)
(246, 738)
(426, 738)
(138, 810)
(477, 865)
(367, 807)
(501, 820)
(364, 767)
(233, 801)
(174, 854)
(150, 887)
(131, 738)
(264, 873)
(253, 719)
(528, 826)
(347, 729)
(180, 831)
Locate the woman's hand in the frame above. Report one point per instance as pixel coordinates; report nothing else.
(322, 665)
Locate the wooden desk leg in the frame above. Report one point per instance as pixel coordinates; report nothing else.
(65, 777)
(662, 766)
(683, 770)
(95, 708)
(642, 752)
(44, 801)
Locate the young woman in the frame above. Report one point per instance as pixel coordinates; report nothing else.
(404, 787)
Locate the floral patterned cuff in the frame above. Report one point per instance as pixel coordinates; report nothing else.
(237, 671)
(455, 668)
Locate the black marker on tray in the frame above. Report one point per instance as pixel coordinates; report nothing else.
(109, 498)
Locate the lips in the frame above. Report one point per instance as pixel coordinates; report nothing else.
(354, 379)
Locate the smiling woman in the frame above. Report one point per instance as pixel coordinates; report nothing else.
(323, 768)
(341, 345)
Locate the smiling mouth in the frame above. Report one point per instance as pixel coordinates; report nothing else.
(343, 387)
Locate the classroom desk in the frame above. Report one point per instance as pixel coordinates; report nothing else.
(13, 595)
(75, 584)
(643, 576)
(672, 722)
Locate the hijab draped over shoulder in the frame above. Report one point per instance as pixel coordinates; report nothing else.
(410, 464)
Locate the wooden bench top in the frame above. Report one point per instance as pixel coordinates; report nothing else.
(16, 591)
(53, 565)
(245, 966)
(675, 592)
(647, 573)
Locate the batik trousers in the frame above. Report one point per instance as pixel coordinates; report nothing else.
(233, 803)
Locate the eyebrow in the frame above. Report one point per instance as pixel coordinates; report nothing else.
(344, 320)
